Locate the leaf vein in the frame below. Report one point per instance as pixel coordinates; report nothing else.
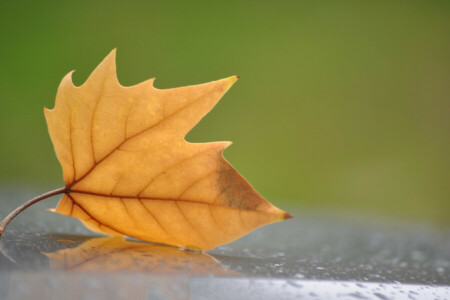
(150, 198)
(93, 118)
(92, 217)
(71, 145)
(126, 209)
(189, 222)
(96, 163)
(195, 182)
(168, 168)
(215, 221)
(156, 219)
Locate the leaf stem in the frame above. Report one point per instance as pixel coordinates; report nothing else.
(18, 210)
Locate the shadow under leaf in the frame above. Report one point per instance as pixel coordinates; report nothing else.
(108, 254)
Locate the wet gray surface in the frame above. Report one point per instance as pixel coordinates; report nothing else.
(315, 255)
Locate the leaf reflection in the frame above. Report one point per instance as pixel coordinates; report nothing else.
(107, 254)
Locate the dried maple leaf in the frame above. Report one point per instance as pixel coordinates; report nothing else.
(128, 170)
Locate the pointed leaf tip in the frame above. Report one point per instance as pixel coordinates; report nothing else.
(287, 216)
(113, 52)
(233, 78)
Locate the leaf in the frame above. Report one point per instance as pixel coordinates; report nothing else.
(129, 172)
(108, 254)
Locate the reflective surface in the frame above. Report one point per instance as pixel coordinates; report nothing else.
(314, 256)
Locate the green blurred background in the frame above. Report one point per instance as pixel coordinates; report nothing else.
(341, 105)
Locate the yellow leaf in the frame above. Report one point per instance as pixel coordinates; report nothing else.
(129, 171)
